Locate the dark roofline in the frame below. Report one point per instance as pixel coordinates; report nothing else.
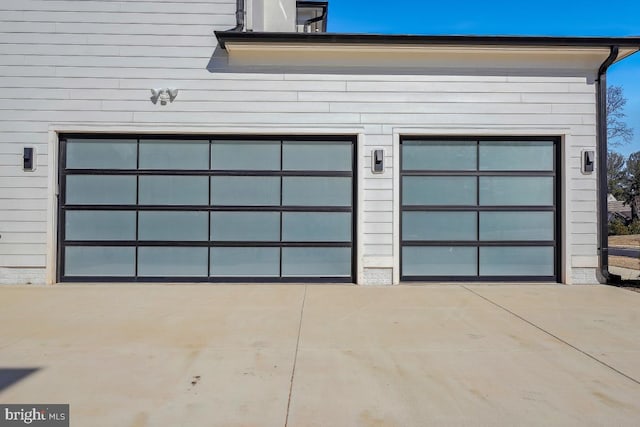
(328, 38)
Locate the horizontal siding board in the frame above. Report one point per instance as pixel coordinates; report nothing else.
(211, 7)
(23, 227)
(372, 250)
(541, 120)
(377, 217)
(244, 118)
(27, 205)
(22, 237)
(24, 260)
(227, 13)
(378, 239)
(378, 227)
(21, 216)
(440, 108)
(410, 97)
(457, 87)
(22, 249)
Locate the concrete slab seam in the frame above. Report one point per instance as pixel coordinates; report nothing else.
(295, 357)
(554, 336)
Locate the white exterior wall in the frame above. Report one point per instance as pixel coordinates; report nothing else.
(89, 66)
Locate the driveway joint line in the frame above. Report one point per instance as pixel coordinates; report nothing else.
(295, 357)
(554, 336)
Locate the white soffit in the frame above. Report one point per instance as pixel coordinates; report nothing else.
(411, 55)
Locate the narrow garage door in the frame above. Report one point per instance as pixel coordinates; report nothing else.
(479, 209)
(147, 208)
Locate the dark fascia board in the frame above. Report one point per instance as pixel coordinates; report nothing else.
(457, 40)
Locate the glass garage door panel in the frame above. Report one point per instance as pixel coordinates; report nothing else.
(245, 226)
(316, 156)
(173, 190)
(101, 154)
(316, 226)
(245, 191)
(245, 262)
(516, 191)
(316, 191)
(176, 154)
(173, 226)
(439, 155)
(450, 226)
(516, 261)
(100, 225)
(316, 262)
(172, 261)
(516, 155)
(97, 261)
(516, 226)
(438, 190)
(245, 155)
(439, 261)
(100, 190)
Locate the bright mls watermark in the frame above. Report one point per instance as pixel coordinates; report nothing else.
(34, 415)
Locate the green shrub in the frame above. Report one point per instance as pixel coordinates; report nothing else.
(617, 227)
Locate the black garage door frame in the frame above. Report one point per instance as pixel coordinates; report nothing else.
(557, 200)
(63, 172)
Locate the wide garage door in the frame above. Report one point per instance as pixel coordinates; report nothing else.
(136, 208)
(479, 209)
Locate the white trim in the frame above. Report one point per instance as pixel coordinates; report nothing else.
(52, 209)
(566, 212)
(396, 205)
(360, 151)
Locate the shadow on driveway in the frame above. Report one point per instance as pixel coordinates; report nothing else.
(10, 376)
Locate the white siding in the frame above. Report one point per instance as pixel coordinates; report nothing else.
(65, 63)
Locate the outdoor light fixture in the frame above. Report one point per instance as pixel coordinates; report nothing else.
(165, 96)
(588, 160)
(377, 161)
(28, 161)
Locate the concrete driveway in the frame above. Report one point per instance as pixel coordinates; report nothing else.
(324, 355)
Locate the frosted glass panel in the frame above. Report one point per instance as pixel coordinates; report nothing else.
(250, 155)
(174, 190)
(316, 191)
(439, 226)
(439, 261)
(317, 156)
(436, 190)
(245, 262)
(318, 262)
(174, 261)
(245, 190)
(516, 261)
(245, 226)
(516, 226)
(101, 154)
(100, 225)
(516, 191)
(169, 225)
(99, 261)
(316, 227)
(163, 154)
(516, 155)
(101, 190)
(439, 155)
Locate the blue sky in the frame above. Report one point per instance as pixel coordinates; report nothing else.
(491, 17)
